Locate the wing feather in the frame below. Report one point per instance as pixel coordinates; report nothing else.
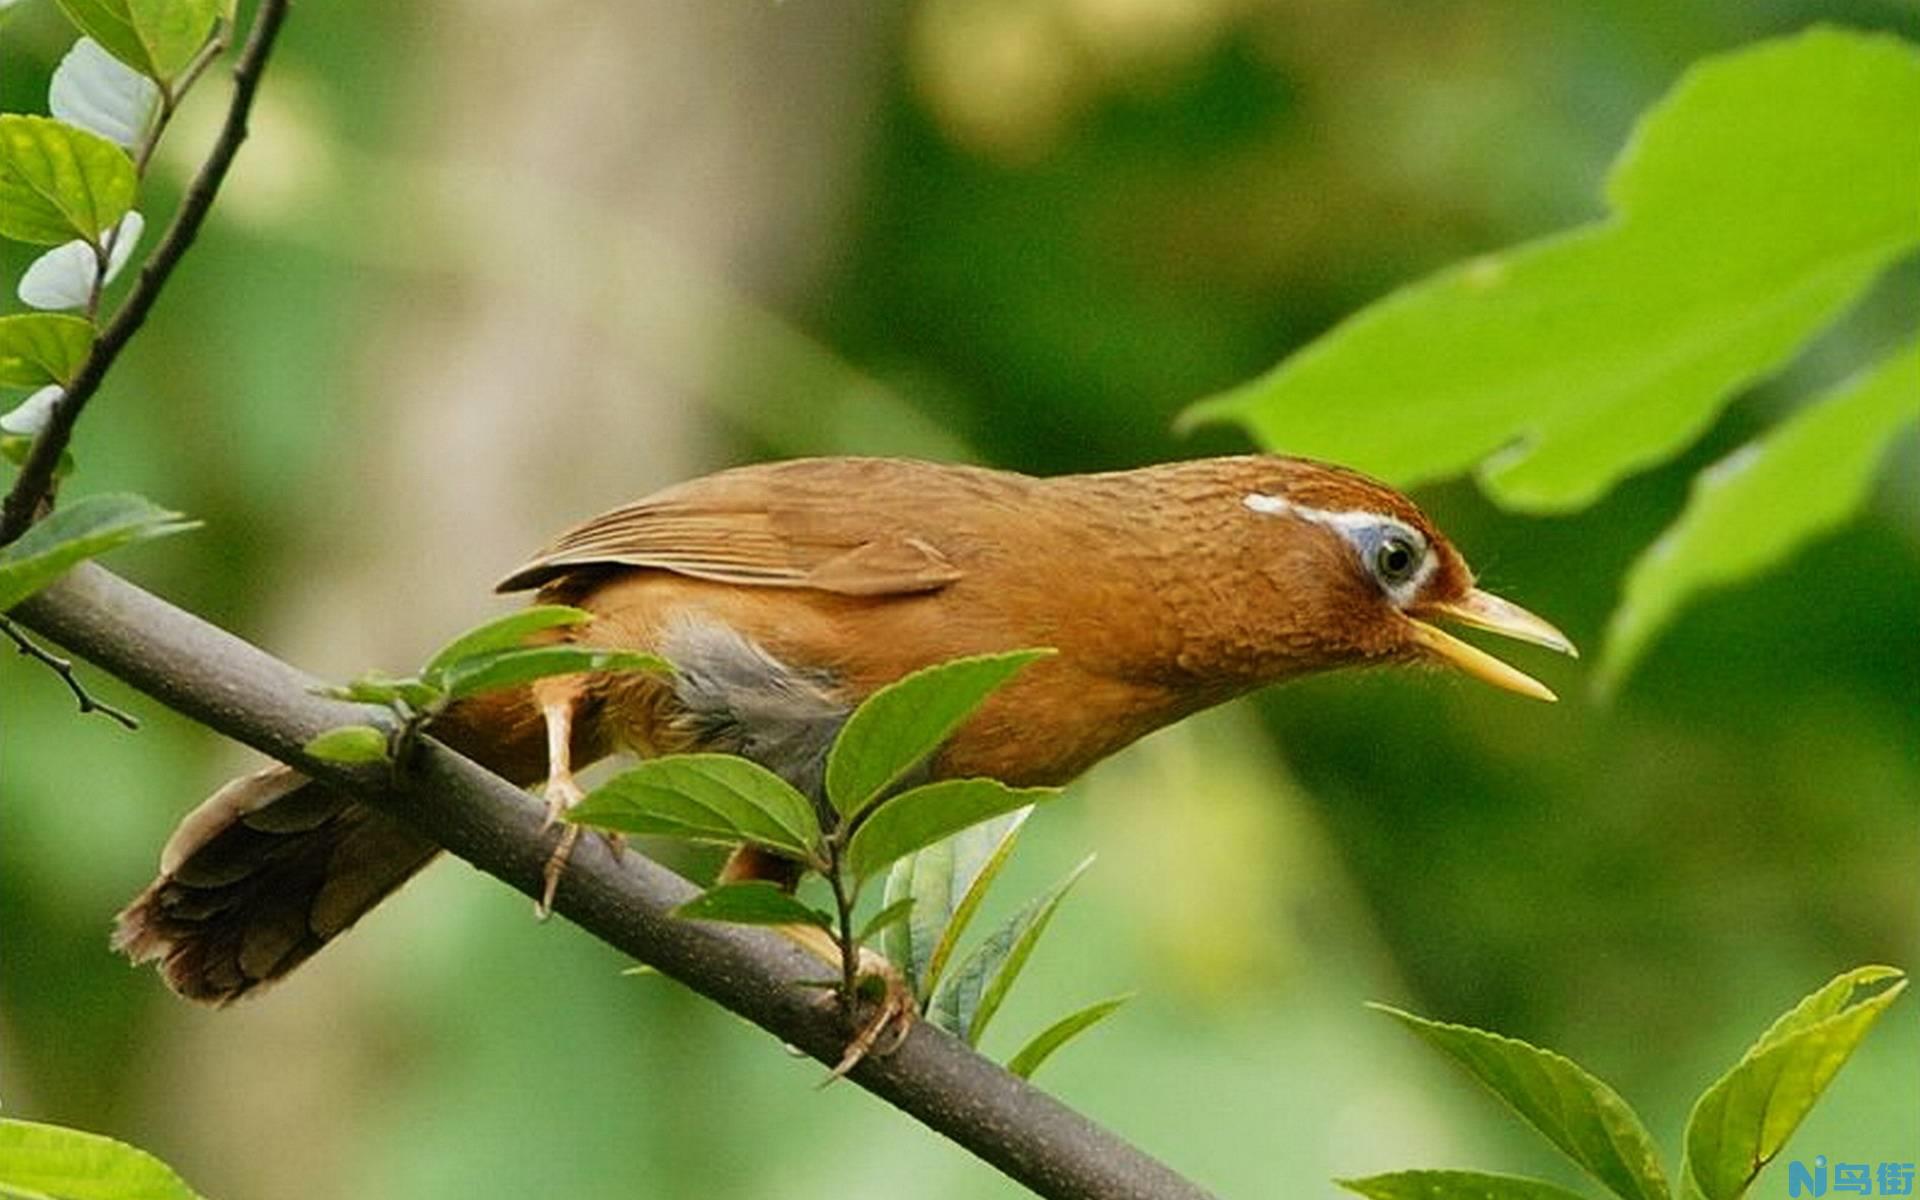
(825, 524)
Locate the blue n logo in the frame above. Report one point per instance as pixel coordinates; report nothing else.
(1815, 1181)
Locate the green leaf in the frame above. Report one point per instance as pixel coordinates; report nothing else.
(48, 1160)
(504, 633)
(946, 882)
(350, 744)
(1058, 1034)
(375, 688)
(914, 819)
(1581, 358)
(1832, 998)
(74, 532)
(42, 348)
(1746, 1117)
(892, 915)
(154, 37)
(1454, 1185)
(1584, 1117)
(899, 726)
(752, 902)
(1756, 507)
(58, 182)
(715, 797)
(966, 1002)
(486, 672)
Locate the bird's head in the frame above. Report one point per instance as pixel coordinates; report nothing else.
(1382, 577)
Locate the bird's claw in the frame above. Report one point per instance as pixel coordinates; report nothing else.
(562, 795)
(896, 1012)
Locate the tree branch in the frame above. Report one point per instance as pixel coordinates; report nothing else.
(224, 682)
(36, 475)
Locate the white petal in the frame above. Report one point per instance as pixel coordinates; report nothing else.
(60, 278)
(96, 91)
(124, 240)
(63, 276)
(30, 417)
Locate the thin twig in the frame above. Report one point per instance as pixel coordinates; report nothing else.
(36, 476)
(171, 96)
(64, 669)
(625, 900)
(215, 47)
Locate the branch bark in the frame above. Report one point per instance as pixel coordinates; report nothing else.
(241, 691)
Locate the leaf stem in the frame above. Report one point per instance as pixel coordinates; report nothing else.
(36, 475)
(849, 947)
(170, 97)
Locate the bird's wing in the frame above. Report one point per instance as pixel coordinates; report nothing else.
(820, 523)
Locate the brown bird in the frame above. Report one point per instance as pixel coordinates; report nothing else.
(786, 593)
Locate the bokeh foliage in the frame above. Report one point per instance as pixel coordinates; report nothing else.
(1750, 207)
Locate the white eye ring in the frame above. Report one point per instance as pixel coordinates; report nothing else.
(1369, 533)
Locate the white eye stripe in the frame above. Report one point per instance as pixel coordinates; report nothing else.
(1364, 531)
(1346, 521)
(1342, 520)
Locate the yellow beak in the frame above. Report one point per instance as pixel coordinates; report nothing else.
(1483, 610)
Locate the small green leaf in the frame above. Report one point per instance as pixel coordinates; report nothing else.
(350, 744)
(1058, 1034)
(58, 182)
(915, 819)
(42, 348)
(1454, 1185)
(72, 533)
(507, 668)
(966, 1001)
(1756, 507)
(48, 1160)
(1562, 365)
(890, 916)
(375, 688)
(155, 37)
(899, 726)
(1584, 1117)
(752, 902)
(714, 797)
(1746, 1117)
(946, 882)
(505, 633)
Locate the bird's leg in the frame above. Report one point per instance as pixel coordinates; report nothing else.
(561, 792)
(896, 1011)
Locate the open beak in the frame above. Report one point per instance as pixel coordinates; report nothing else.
(1483, 610)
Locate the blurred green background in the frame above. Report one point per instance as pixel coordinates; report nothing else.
(487, 268)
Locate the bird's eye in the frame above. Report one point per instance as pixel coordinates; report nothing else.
(1394, 560)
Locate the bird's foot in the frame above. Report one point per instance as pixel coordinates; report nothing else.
(878, 981)
(562, 795)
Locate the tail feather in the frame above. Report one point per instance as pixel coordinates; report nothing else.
(258, 878)
(273, 866)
